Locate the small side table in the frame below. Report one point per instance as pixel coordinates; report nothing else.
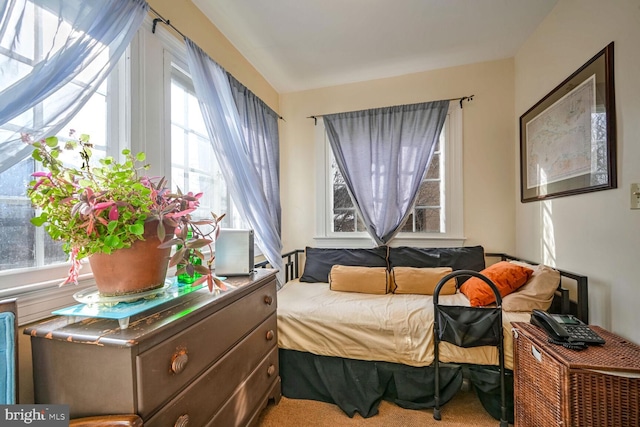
(555, 386)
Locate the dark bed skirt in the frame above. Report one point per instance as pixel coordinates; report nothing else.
(360, 386)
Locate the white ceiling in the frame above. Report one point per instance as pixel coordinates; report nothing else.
(305, 44)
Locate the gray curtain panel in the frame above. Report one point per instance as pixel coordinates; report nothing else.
(383, 154)
(260, 126)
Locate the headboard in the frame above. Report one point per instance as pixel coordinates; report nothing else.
(562, 303)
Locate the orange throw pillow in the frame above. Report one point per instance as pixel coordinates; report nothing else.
(506, 276)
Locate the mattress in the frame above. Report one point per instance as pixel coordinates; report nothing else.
(391, 328)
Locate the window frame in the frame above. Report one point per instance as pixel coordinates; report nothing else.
(37, 288)
(151, 112)
(232, 218)
(453, 194)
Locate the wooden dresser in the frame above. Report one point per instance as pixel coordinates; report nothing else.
(555, 386)
(200, 360)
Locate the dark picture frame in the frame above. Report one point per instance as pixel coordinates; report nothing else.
(568, 139)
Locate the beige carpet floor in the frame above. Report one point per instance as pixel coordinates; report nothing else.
(463, 410)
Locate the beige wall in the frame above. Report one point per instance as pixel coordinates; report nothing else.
(191, 22)
(488, 151)
(596, 233)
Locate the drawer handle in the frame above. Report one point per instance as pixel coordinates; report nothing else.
(182, 421)
(179, 362)
(268, 300)
(270, 335)
(271, 370)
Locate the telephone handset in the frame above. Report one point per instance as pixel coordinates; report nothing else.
(566, 330)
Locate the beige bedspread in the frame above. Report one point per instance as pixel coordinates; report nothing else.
(393, 328)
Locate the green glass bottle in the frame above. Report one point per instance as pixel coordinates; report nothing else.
(184, 278)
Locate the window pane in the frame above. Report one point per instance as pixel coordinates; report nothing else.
(178, 148)
(344, 221)
(433, 172)
(427, 220)
(17, 235)
(441, 139)
(196, 121)
(335, 173)
(360, 224)
(429, 194)
(92, 120)
(19, 239)
(341, 198)
(177, 177)
(13, 182)
(53, 252)
(194, 166)
(408, 225)
(26, 46)
(177, 104)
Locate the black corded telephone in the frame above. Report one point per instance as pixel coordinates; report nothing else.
(566, 330)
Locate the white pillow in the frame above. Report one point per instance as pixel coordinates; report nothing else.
(537, 292)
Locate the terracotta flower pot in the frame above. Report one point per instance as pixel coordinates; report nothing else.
(140, 268)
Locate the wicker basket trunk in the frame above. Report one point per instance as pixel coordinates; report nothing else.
(554, 386)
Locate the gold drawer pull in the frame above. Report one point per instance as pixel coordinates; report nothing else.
(182, 421)
(271, 370)
(270, 335)
(179, 362)
(268, 300)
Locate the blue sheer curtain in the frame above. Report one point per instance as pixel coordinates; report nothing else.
(383, 154)
(44, 83)
(260, 128)
(225, 130)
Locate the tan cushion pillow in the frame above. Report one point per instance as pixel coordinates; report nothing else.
(367, 280)
(506, 276)
(423, 281)
(536, 293)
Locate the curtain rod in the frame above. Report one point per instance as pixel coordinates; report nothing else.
(167, 22)
(160, 18)
(461, 99)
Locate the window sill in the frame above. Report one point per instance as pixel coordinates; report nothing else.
(36, 301)
(37, 305)
(364, 241)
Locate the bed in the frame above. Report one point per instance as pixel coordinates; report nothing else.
(354, 349)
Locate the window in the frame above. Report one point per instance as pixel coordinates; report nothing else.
(194, 166)
(428, 212)
(23, 247)
(21, 244)
(427, 215)
(436, 215)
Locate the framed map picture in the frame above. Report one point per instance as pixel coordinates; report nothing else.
(568, 139)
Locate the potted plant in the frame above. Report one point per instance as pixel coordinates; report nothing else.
(105, 211)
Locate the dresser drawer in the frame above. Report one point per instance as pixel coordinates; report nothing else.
(166, 368)
(239, 409)
(203, 398)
